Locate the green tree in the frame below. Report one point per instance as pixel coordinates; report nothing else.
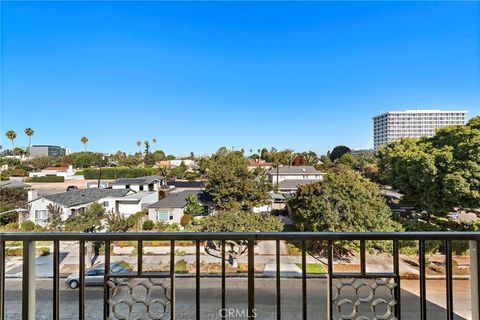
(159, 155)
(180, 170)
(86, 159)
(436, 174)
(54, 219)
(233, 186)
(139, 144)
(343, 202)
(10, 134)
(149, 159)
(154, 141)
(339, 151)
(84, 140)
(29, 134)
(87, 221)
(40, 163)
(116, 222)
(238, 221)
(147, 146)
(193, 206)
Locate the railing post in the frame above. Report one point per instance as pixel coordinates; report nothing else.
(475, 278)
(28, 281)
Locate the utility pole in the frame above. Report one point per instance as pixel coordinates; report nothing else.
(100, 172)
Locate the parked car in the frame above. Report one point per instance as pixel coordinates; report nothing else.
(452, 215)
(69, 188)
(95, 275)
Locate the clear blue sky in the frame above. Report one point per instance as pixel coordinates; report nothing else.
(200, 75)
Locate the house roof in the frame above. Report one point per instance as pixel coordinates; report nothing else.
(13, 184)
(179, 199)
(83, 196)
(261, 163)
(56, 168)
(138, 195)
(187, 184)
(293, 184)
(294, 170)
(139, 180)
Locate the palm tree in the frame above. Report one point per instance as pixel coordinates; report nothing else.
(11, 135)
(139, 143)
(84, 141)
(29, 133)
(154, 143)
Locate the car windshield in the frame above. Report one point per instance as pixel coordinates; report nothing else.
(116, 267)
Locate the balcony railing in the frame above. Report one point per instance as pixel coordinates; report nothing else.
(389, 301)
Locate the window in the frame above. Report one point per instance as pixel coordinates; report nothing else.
(105, 204)
(164, 215)
(41, 216)
(141, 187)
(127, 186)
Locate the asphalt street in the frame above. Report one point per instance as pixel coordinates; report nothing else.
(210, 300)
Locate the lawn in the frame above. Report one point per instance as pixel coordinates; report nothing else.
(313, 268)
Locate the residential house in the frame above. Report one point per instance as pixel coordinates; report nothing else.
(122, 201)
(172, 208)
(148, 183)
(291, 177)
(177, 162)
(259, 163)
(66, 172)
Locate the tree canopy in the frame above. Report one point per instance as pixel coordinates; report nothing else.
(238, 221)
(343, 202)
(232, 185)
(339, 151)
(439, 173)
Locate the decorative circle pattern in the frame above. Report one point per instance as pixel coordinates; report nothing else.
(129, 298)
(365, 291)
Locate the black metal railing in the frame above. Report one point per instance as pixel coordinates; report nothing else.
(113, 283)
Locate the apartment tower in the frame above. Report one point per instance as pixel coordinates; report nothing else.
(393, 125)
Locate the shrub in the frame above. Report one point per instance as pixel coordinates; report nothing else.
(185, 220)
(181, 266)
(27, 225)
(11, 226)
(148, 225)
(47, 179)
(44, 251)
(14, 251)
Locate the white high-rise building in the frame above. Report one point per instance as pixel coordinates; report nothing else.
(393, 125)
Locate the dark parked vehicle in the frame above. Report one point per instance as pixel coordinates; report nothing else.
(69, 188)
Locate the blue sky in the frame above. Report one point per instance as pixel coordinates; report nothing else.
(200, 75)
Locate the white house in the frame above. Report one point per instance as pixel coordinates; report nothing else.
(172, 208)
(66, 172)
(291, 177)
(177, 162)
(122, 201)
(149, 183)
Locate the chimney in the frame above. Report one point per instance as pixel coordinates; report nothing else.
(32, 195)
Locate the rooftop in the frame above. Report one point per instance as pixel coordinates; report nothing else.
(12, 184)
(83, 196)
(293, 184)
(420, 111)
(294, 170)
(179, 199)
(139, 180)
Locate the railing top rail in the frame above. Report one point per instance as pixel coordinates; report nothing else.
(166, 236)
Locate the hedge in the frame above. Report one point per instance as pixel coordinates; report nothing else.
(117, 173)
(47, 179)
